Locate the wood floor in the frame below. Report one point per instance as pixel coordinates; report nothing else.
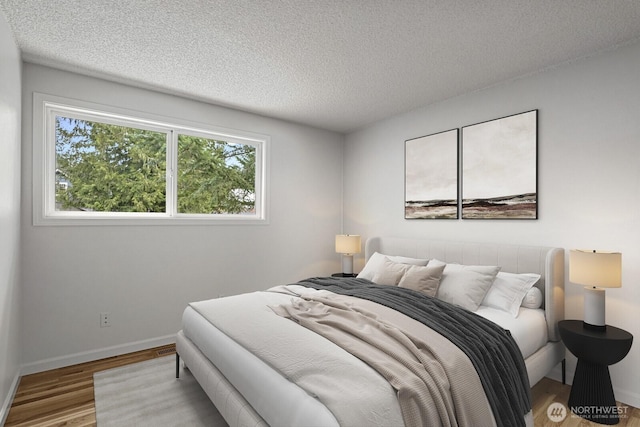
(64, 397)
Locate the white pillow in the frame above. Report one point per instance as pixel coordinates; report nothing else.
(508, 291)
(533, 298)
(465, 285)
(390, 273)
(377, 259)
(422, 279)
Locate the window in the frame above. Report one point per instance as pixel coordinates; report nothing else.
(104, 166)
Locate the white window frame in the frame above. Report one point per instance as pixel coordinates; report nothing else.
(47, 107)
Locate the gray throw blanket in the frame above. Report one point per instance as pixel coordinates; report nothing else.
(493, 352)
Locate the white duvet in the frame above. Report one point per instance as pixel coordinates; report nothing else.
(308, 359)
(328, 373)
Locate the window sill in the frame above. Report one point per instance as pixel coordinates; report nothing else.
(146, 220)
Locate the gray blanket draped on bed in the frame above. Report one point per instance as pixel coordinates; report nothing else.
(493, 352)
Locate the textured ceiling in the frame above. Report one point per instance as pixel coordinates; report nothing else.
(334, 64)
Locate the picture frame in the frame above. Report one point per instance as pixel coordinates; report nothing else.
(431, 176)
(500, 168)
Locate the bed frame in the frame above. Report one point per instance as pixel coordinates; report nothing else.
(548, 262)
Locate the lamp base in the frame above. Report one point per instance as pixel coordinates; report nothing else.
(347, 265)
(594, 308)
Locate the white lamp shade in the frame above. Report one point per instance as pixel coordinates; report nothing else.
(348, 244)
(592, 268)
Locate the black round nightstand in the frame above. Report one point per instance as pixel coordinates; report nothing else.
(592, 395)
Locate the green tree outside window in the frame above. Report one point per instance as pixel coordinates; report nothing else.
(103, 167)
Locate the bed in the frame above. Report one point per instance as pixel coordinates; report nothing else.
(261, 368)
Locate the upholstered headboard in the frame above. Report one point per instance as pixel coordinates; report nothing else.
(548, 262)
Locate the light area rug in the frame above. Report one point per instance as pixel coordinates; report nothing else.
(148, 394)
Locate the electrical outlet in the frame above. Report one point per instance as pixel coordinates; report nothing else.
(105, 319)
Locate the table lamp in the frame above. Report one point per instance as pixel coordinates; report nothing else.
(596, 270)
(347, 245)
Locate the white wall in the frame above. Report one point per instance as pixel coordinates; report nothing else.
(145, 275)
(10, 99)
(589, 176)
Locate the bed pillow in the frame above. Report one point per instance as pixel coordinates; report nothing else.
(532, 299)
(508, 291)
(465, 285)
(422, 279)
(377, 260)
(390, 273)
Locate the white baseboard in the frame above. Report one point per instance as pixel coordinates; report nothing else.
(90, 356)
(6, 405)
(627, 397)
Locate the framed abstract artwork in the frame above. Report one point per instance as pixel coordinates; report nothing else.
(431, 176)
(500, 168)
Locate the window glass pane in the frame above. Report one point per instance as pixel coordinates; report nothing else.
(215, 177)
(109, 168)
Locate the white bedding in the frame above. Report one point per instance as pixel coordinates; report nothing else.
(273, 395)
(265, 389)
(529, 329)
(350, 380)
